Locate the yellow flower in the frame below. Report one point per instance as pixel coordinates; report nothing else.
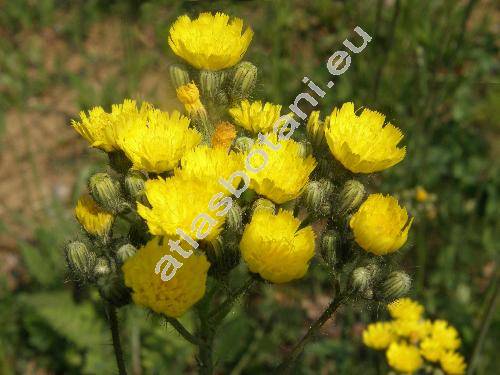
(172, 298)
(175, 203)
(413, 330)
(102, 129)
(378, 335)
(155, 140)
(272, 246)
(405, 308)
(92, 218)
(453, 363)
(380, 225)
(208, 165)
(210, 42)
(189, 95)
(446, 335)
(403, 357)
(224, 135)
(255, 116)
(361, 143)
(421, 194)
(285, 174)
(431, 349)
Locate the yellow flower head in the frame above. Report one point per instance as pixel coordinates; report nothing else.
(101, 129)
(189, 95)
(380, 225)
(272, 246)
(413, 330)
(421, 194)
(224, 135)
(172, 298)
(431, 349)
(286, 172)
(446, 335)
(406, 309)
(362, 143)
(404, 358)
(453, 363)
(378, 335)
(210, 42)
(176, 202)
(207, 165)
(155, 140)
(255, 116)
(92, 218)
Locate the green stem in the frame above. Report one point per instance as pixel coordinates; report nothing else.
(223, 309)
(115, 333)
(183, 331)
(289, 361)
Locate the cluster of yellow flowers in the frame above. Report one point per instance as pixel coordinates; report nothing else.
(409, 340)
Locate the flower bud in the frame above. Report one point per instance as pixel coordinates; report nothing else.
(263, 204)
(395, 286)
(243, 144)
(317, 197)
(350, 197)
(106, 192)
(305, 149)
(222, 256)
(126, 251)
(315, 130)
(360, 279)
(234, 218)
(101, 267)
(211, 83)
(80, 260)
(179, 75)
(328, 247)
(243, 81)
(134, 185)
(113, 289)
(119, 162)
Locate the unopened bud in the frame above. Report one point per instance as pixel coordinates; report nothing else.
(113, 289)
(179, 75)
(243, 81)
(222, 257)
(395, 286)
(134, 185)
(119, 162)
(317, 197)
(125, 252)
(211, 83)
(305, 149)
(243, 144)
(350, 197)
(106, 192)
(360, 279)
(234, 218)
(263, 204)
(328, 247)
(80, 260)
(102, 267)
(315, 130)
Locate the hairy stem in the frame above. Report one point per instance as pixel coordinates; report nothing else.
(183, 331)
(223, 309)
(115, 333)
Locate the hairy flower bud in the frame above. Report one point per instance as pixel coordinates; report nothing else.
(101, 267)
(360, 279)
(395, 286)
(243, 144)
(80, 260)
(106, 192)
(317, 197)
(126, 251)
(112, 289)
(350, 198)
(178, 75)
(134, 185)
(328, 247)
(243, 81)
(263, 204)
(315, 130)
(234, 218)
(222, 256)
(211, 83)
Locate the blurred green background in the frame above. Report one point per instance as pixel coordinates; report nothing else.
(431, 68)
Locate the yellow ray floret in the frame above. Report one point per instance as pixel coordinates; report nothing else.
(362, 143)
(378, 335)
(453, 363)
(172, 298)
(255, 116)
(404, 358)
(210, 42)
(175, 203)
(380, 225)
(446, 335)
(93, 219)
(155, 140)
(431, 349)
(285, 173)
(102, 129)
(273, 246)
(413, 330)
(405, 308)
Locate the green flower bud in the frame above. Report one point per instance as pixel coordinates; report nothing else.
(80, 260)
(395, 286)
(134, 185)
(315, 130)
(178, 75)
(106, 192)
(119, 162)
(101, 267)
(263, 204)
(350, 198)
(211, 83)
(317, 197)
(360, 279)
(234, 218)
(367, 294)
(305, 149)
(243, 144)
(328, 247)
(223, 257)
(113, 289)
(126, 251)
(243, 81)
